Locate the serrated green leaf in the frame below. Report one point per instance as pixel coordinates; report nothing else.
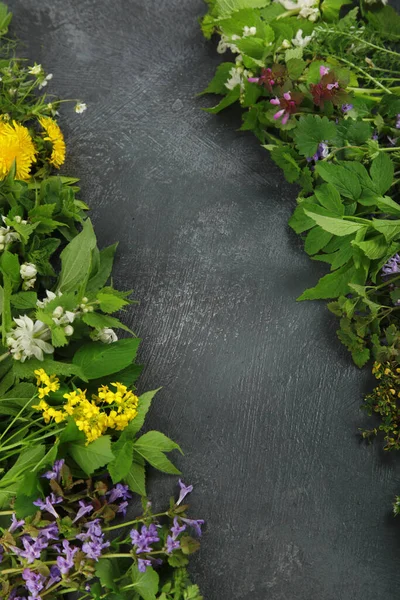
(122, 463)
(335, 284)
(330, 199)
(145, 584)
(152, 445)
(24, 300)
(136, 478)
(93, 456)
(110, 303)
(335, 226)
(99, 321)
(217, 84)
(390, 229)
(311, 131)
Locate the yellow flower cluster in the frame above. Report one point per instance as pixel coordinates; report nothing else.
(105, 410)
(16, 145)
(55, 136)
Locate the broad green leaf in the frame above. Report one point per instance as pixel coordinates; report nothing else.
(110, 303)
(121, 465)
(97, 359)
(229, 99)
(217, 84)
(331, 9)
(99, 279)
(335, 226)
(93, 456)
(26, 370)
(286, 158)
(143, 408)
(107, 571)
(388, 206)
(71, 433)
(329, 198)
(295, 67)
(152, 445)
(136, 478)
(335, 284)
(382, 171)
(99, 321)
(145, 584)
(311, 131)
(10, 266)
(76, 259)
(346, 184)
(24, 300)
(390, 229)
(373, 248)
(316, 239)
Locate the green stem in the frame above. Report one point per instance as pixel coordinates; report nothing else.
(4, 356)
(16, 418)
(365, 73)
(370, 44)
(138, 520)
(16, 445)
(122, 555)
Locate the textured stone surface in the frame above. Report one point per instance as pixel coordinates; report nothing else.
(257, 389)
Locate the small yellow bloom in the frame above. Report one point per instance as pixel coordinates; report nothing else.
(55, 136)
(41, 406)
(16, 145)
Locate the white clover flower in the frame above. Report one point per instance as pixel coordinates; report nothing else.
(35, 70)
(50, 296)
(301, 41)
(28, 271)
(29, 339)
(247, 31)
(105, 335)
(45, 81)
(80, 107)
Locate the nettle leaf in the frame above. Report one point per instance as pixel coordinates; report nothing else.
(335, 284)
(93, 456)
(286, 158)
(97, 359)
(311, 131)
(145, 584)
(24, 300)
(99, 321)
(152, 445)
(76, 259)
(217, 84)
(136, 478)
(335, 226)
(382, 172)
(110, 302)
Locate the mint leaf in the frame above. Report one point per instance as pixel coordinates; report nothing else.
(311, 131)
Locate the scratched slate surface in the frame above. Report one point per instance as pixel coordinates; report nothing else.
(256, 388)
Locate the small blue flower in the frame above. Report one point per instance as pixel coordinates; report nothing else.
(185, 490)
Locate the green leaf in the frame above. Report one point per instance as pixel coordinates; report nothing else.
(99, 321)
(217, 84)
(143, 408)
(329, 198)
(335, 226)
(97, 359)
(382, 171)
(122, 463)
(100, 278)
(374, 248)
(71, 433)
(107, 571)
(136, 478)
(390, 229)
(388, 206)
(286, 158)
(93, 456)
(316, 239)
(26, 461)
(229, 99)
(152, 445)
(339, 176)
(26, 370)
(76, 260)
(311, 131)
(331, 9)
(145, 584)
(295, 67)
(24, 300)
(335, 284)
(253, 47)
(110, 303)
(10, 266)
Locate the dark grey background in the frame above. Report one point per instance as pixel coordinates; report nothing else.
(257, 389)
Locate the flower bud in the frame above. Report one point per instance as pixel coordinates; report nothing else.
(28, 271)
(68, 330)
(57, 312)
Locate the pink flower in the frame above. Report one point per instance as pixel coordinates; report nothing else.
(288, 105)
(323, 70)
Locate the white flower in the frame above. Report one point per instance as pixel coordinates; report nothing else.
(249, 31)
(106, 335)
(50, 296)
(301, 41)
(308, 8)
(45, 81)
(80, 107)
(286, 44)
(28, 271)
(68, 330)
(35, 70)
(222, 46)
(7, 236)
(29, 339)
(235, 79)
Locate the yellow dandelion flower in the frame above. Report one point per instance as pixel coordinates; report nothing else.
(16, 145)
(55, 136)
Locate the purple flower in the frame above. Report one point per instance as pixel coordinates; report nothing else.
(143, 564)
(66, 562)
(185, 490)
(398, 121)
(93, 530)
(375, 136)
(346, 108)
(50, 532)
(34, 582)
(332, 86)
(1, 553)
(15, 524)
(84, 510)
(176, 530)
(47, 504)
(323, 70)
(392, 266)
(172, 545)
(119, 491)
(122, 508)
(55, 472)
(196, 524)
(32, 549)
(94, 548)
(143, 539)
(55, 576)
(322, 152)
